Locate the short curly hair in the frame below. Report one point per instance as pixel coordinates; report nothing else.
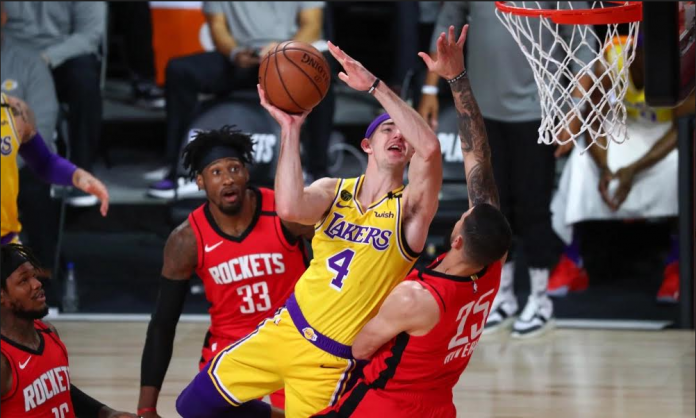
(228, 135)
(8, 251)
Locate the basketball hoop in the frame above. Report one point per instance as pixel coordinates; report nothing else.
(558, 75)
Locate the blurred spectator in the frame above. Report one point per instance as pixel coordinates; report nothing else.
(504, 86)
(636, 179)
(67, 36)
(242, 32)
(133, 20)
(24, 75)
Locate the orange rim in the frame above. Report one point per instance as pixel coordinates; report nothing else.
(626, 12)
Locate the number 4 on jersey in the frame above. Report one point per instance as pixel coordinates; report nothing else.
(339, 264)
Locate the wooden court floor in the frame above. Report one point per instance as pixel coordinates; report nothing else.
(567, 373)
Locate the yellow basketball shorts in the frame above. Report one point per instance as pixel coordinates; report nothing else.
(275, 355)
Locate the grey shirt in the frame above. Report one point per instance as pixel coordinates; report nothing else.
(24, 75)
(61, 30)
(501, 77)
(256, 24)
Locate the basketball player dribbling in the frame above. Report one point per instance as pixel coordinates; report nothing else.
(368, 233)
(248, 258)
(35, 380)
(420, 357)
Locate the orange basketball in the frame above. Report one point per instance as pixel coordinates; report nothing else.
(295, 76)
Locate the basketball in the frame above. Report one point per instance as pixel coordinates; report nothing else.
(295, 76)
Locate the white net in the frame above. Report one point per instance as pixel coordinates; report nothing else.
(582, 79)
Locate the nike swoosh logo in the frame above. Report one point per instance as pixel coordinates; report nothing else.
(212, 247)
(338, 204)
(23, 365)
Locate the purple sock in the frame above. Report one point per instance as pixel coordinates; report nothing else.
(201, 399)
(673, 250)
(572, 251)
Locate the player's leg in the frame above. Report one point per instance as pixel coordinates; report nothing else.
(240, 373)
(534, 170)
(212, 345)
(316, 380)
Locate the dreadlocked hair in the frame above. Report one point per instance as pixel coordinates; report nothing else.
(228, 135)
(8, 250)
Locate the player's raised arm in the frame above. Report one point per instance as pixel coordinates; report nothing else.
(425, 172)
(294, 202)
(449, 64)
(396, 315)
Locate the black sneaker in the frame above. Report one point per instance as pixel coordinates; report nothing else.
(148, 94)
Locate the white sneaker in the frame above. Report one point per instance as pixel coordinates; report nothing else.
(536, 318)
(156, 174)
(502, 313)
(505, 303)
(185, 188)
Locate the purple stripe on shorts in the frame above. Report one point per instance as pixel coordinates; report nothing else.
(7, 238)
(201, 399)
(312, 335)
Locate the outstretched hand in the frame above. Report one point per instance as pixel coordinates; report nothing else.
(86, 182)
(353, 74)
(449, 62)
(285, 120)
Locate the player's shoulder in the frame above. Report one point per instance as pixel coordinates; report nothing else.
(47, 326)
(327, 184)
(409, 295)
(182, 237)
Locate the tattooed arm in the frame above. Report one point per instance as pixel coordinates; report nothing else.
(24, 119)
(449, 64)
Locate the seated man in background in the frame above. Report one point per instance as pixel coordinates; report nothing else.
(67, 36)
(243, 32)
(636, 179)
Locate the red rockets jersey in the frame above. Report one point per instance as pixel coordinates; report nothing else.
(40, 378)
(433, 363)
(246, 278)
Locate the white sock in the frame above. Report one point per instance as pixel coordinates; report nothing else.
(539, 280)
(507, 278)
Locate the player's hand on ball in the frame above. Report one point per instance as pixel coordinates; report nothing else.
(449, 62)
(284, 119)
(86, 182)
(353, 74)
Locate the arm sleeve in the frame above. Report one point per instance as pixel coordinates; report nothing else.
(451, 13)
(89, 23)
(49, 167)
(85, 405)
(159, 343)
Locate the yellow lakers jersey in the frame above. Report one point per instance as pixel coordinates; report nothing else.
(636, 108)
(360, 255)
(9, 183)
